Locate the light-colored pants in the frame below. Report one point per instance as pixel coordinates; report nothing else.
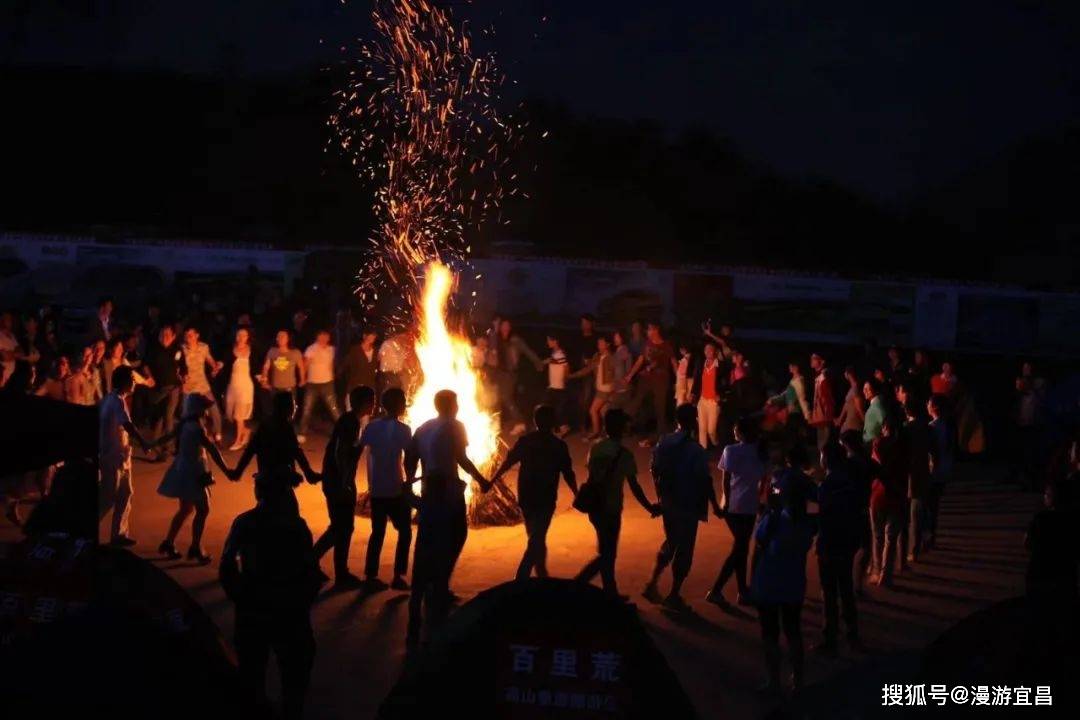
(682, 391)
(114, 493)
(708, 420)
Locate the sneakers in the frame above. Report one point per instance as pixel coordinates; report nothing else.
(346, 580)
(675, 602)
(652, 594)
(718, 600)
(374, 584)
(169, 550)
(196, 554)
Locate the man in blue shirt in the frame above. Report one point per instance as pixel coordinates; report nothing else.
(681, 470)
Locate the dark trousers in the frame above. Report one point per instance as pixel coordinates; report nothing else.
(440, 537)
(293, 643)
(834, 569)
(537, 523)
(559, 400)
(680, 537)
(318, 392)
(399, 512)
(772, 616)
(656, 390)
(742, 528)
(586, 392)
(607, 528)
(341, 506)
(164, 402)
(506, 385)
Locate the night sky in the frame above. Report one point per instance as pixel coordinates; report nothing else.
(890, 99)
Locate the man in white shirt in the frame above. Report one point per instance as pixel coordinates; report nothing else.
(114, 455)
(386, 440)
(319, 387)
(438, 446)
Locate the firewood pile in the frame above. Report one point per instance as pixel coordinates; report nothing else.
(498, 506)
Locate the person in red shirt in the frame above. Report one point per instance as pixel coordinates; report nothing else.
(707, 389)
(823, 414)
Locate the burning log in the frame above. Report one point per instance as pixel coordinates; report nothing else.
(497, 507)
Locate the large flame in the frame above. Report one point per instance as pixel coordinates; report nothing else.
(445, 360)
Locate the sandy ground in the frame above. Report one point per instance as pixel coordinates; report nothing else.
(717, 655)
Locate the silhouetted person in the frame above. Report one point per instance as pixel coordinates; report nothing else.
(438, 446)
(839, 536)
(277, 451)
(386, 440)
(339, 483)
(783, 537)
(268, 569)
(681, 470)
(609, 465)
(543, 457)
(862, 470)
(188, 477)
(114, 455)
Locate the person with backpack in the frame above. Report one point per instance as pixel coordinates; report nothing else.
(601, 497)
(543, 457)
(683, 483)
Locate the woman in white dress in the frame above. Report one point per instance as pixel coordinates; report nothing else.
(188, 478)
(240, 395)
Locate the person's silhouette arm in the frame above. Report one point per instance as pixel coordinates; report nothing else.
(412, 462)
(242, 463)
(215, 454)
(639, 494)
(301, 459)
(512, 458)
(634, 368)
(567, 470)
(133, 432)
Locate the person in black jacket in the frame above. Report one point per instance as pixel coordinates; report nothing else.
(339, 483)
(543, 457)
(269, 571)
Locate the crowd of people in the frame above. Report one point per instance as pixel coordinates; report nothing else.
(851, 464)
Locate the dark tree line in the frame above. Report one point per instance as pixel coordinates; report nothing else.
(156, 153)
